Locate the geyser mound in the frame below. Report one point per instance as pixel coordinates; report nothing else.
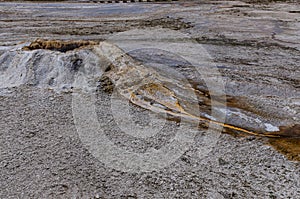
(49, 64)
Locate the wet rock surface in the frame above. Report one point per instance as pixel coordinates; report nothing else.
(254, 46)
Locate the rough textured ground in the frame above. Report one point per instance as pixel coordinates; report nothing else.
(43, 157)
(256, 48)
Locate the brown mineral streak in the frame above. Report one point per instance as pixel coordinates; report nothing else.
(176, 110)
(290, 147)
(155, 89)
(286, 141)
(62, 46)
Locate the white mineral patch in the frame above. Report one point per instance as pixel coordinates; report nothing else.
(159, 106)
(224, 111)
(210, 117)
(271, 128)
(48, 69)
(257, 121)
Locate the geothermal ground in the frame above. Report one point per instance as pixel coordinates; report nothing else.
(111, 100)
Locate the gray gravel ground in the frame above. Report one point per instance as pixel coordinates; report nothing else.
(43, 157)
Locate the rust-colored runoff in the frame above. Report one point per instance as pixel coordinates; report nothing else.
(286, 141)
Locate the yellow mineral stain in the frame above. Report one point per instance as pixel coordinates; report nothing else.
(157, 94)
(285, 141)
